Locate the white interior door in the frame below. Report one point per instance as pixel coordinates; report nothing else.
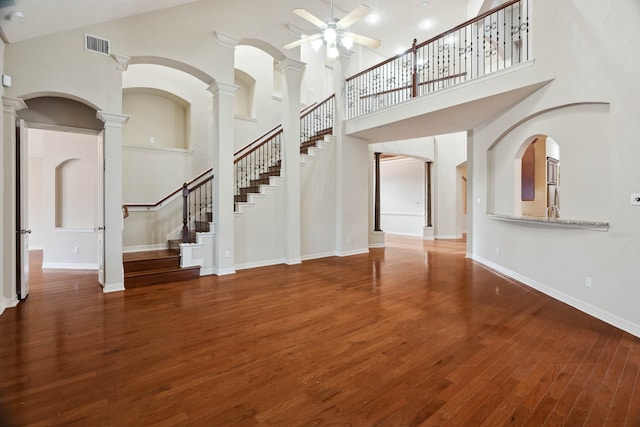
(22, 214)
(100, 219)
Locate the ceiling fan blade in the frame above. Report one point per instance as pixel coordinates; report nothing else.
(363, 40)
(309, 17)
(355, 15)
(303, 41)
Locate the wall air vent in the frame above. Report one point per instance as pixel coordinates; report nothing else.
(96, 44)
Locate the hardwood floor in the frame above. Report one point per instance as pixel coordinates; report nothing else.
(414, 334)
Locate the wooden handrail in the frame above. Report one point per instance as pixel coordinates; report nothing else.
(259, 140)
(384, 92)
(264, 139)
(126, 206)
(432, 39)
(308, 111)
(308, 108)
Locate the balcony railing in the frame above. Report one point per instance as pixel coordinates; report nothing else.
(495, 40)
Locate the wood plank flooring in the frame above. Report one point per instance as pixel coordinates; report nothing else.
(414, 334)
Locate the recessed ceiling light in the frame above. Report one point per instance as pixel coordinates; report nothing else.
(426, 24)
(373, 18)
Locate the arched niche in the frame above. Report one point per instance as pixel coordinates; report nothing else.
(72, 209)
(157, 118)
(245, 95)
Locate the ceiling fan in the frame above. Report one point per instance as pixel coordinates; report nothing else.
(335, 31)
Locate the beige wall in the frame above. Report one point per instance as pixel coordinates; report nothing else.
(594, 120)
(156, 119)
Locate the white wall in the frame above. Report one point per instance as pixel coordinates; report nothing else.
(259, 229)
(152, 171)
(450, 152)
(402, 196)
(599, 163)
(156, 118)
(35, 188)
(267, 110)
(318, 203)
(75, 244)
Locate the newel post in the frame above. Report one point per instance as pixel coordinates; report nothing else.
(185, 213)
(414, 74)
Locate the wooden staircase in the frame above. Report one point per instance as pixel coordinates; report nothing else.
(313, 140)
(161, 266)
(254, 184)
(155, 267)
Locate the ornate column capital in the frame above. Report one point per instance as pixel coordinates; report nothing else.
(220, 88)
(11, 104)
(289, 64)
(112, 119)
(225, 40)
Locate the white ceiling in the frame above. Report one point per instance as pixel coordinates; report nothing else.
(400, 20)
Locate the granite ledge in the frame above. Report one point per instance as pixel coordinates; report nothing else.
(554, 222)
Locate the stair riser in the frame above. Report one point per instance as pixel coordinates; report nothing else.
(156, 279)
(151, 264)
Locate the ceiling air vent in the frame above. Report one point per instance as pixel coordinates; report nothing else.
(96, 44)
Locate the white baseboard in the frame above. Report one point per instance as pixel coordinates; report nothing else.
(257, 264)
(448, 237)
(114, 287)
(225, 271)
(142, 248)
(8, 303)
(398, 233)
(209, 271)
(605, 316)
(318, 256)
(293, 261)
(36, 247)
(69, 266)
(354, 252)
(376, 245)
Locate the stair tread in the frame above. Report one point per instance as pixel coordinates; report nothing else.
(160, 271)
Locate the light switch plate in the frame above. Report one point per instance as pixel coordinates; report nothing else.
(635, 199)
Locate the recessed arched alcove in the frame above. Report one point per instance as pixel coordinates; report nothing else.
(244, 105)
(157, 117)
(567, 135)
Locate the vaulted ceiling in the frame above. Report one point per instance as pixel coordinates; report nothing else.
(398, 24)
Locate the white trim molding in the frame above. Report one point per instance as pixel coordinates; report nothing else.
(69, 266)
(605, 316)
(114, 287)
(8, 303)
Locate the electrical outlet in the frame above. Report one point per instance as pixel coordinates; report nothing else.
(152, 139)
(227, 254)
(76, 250)
(497, 251)
(587, 281)
(348, 240)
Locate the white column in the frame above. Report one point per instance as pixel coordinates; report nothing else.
(292, 77)
(113, 220)
(352, 176)
(223, 185)
(8, 296)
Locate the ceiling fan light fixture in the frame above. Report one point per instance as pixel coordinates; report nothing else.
(317, 44)
(329, 35)
(347, 42)
(332, 51)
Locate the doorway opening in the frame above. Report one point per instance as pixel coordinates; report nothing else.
(59, 187)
